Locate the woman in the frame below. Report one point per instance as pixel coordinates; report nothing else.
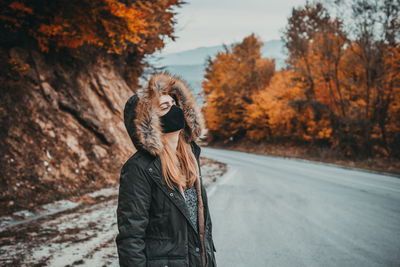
(163, 216)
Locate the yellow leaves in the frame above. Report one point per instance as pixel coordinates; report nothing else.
(43, 43)
(339, 92)
(116, 26)
(324, 133)
(121, 30)
(132, 24)
(315, 129)
(280, 108)
(270, 108)
(18, 66)
(51, 30)
(231, 79)
(121, 10)
(21, 7)
(271, 116)
(14, 16)
(61, 33)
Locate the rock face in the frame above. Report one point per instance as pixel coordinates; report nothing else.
(62, 129)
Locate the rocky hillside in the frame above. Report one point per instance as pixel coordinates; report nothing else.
(62, 128)
(66, 70)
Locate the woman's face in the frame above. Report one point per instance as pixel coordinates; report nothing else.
(166, 101)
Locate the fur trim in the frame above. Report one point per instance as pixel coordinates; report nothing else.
(147, 122)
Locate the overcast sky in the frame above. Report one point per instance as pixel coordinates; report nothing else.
(214, 22)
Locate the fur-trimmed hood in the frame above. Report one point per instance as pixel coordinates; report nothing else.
(141, 112)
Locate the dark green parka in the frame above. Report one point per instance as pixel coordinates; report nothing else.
(153, 220)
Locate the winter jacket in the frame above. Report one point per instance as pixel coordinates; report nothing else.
(154, 226)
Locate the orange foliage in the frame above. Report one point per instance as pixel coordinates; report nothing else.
(125, 26)
(269, 115)
(335, 91)
(21, 7)
(231, 79)
(112, 25)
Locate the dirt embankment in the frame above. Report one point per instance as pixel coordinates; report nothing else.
(62, 129)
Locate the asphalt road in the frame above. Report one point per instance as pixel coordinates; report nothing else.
(270, 211)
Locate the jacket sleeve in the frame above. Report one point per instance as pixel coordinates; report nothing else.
(132, 215)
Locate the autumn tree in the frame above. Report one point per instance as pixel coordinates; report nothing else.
(231, 79)
(126, 29)
(316, 44)
(375, 29)
(301, 28)
(344, 68)
(269, 116)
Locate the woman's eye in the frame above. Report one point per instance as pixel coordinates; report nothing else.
(164, 107)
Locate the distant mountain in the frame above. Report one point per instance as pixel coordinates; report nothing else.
(271, 49)
(190, 64)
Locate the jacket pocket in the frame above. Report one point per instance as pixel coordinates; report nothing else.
(157, 248)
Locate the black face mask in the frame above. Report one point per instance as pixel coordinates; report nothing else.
(173, 120)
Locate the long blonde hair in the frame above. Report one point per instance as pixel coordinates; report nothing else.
(184, 176)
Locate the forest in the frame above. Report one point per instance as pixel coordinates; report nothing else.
(340, 88)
